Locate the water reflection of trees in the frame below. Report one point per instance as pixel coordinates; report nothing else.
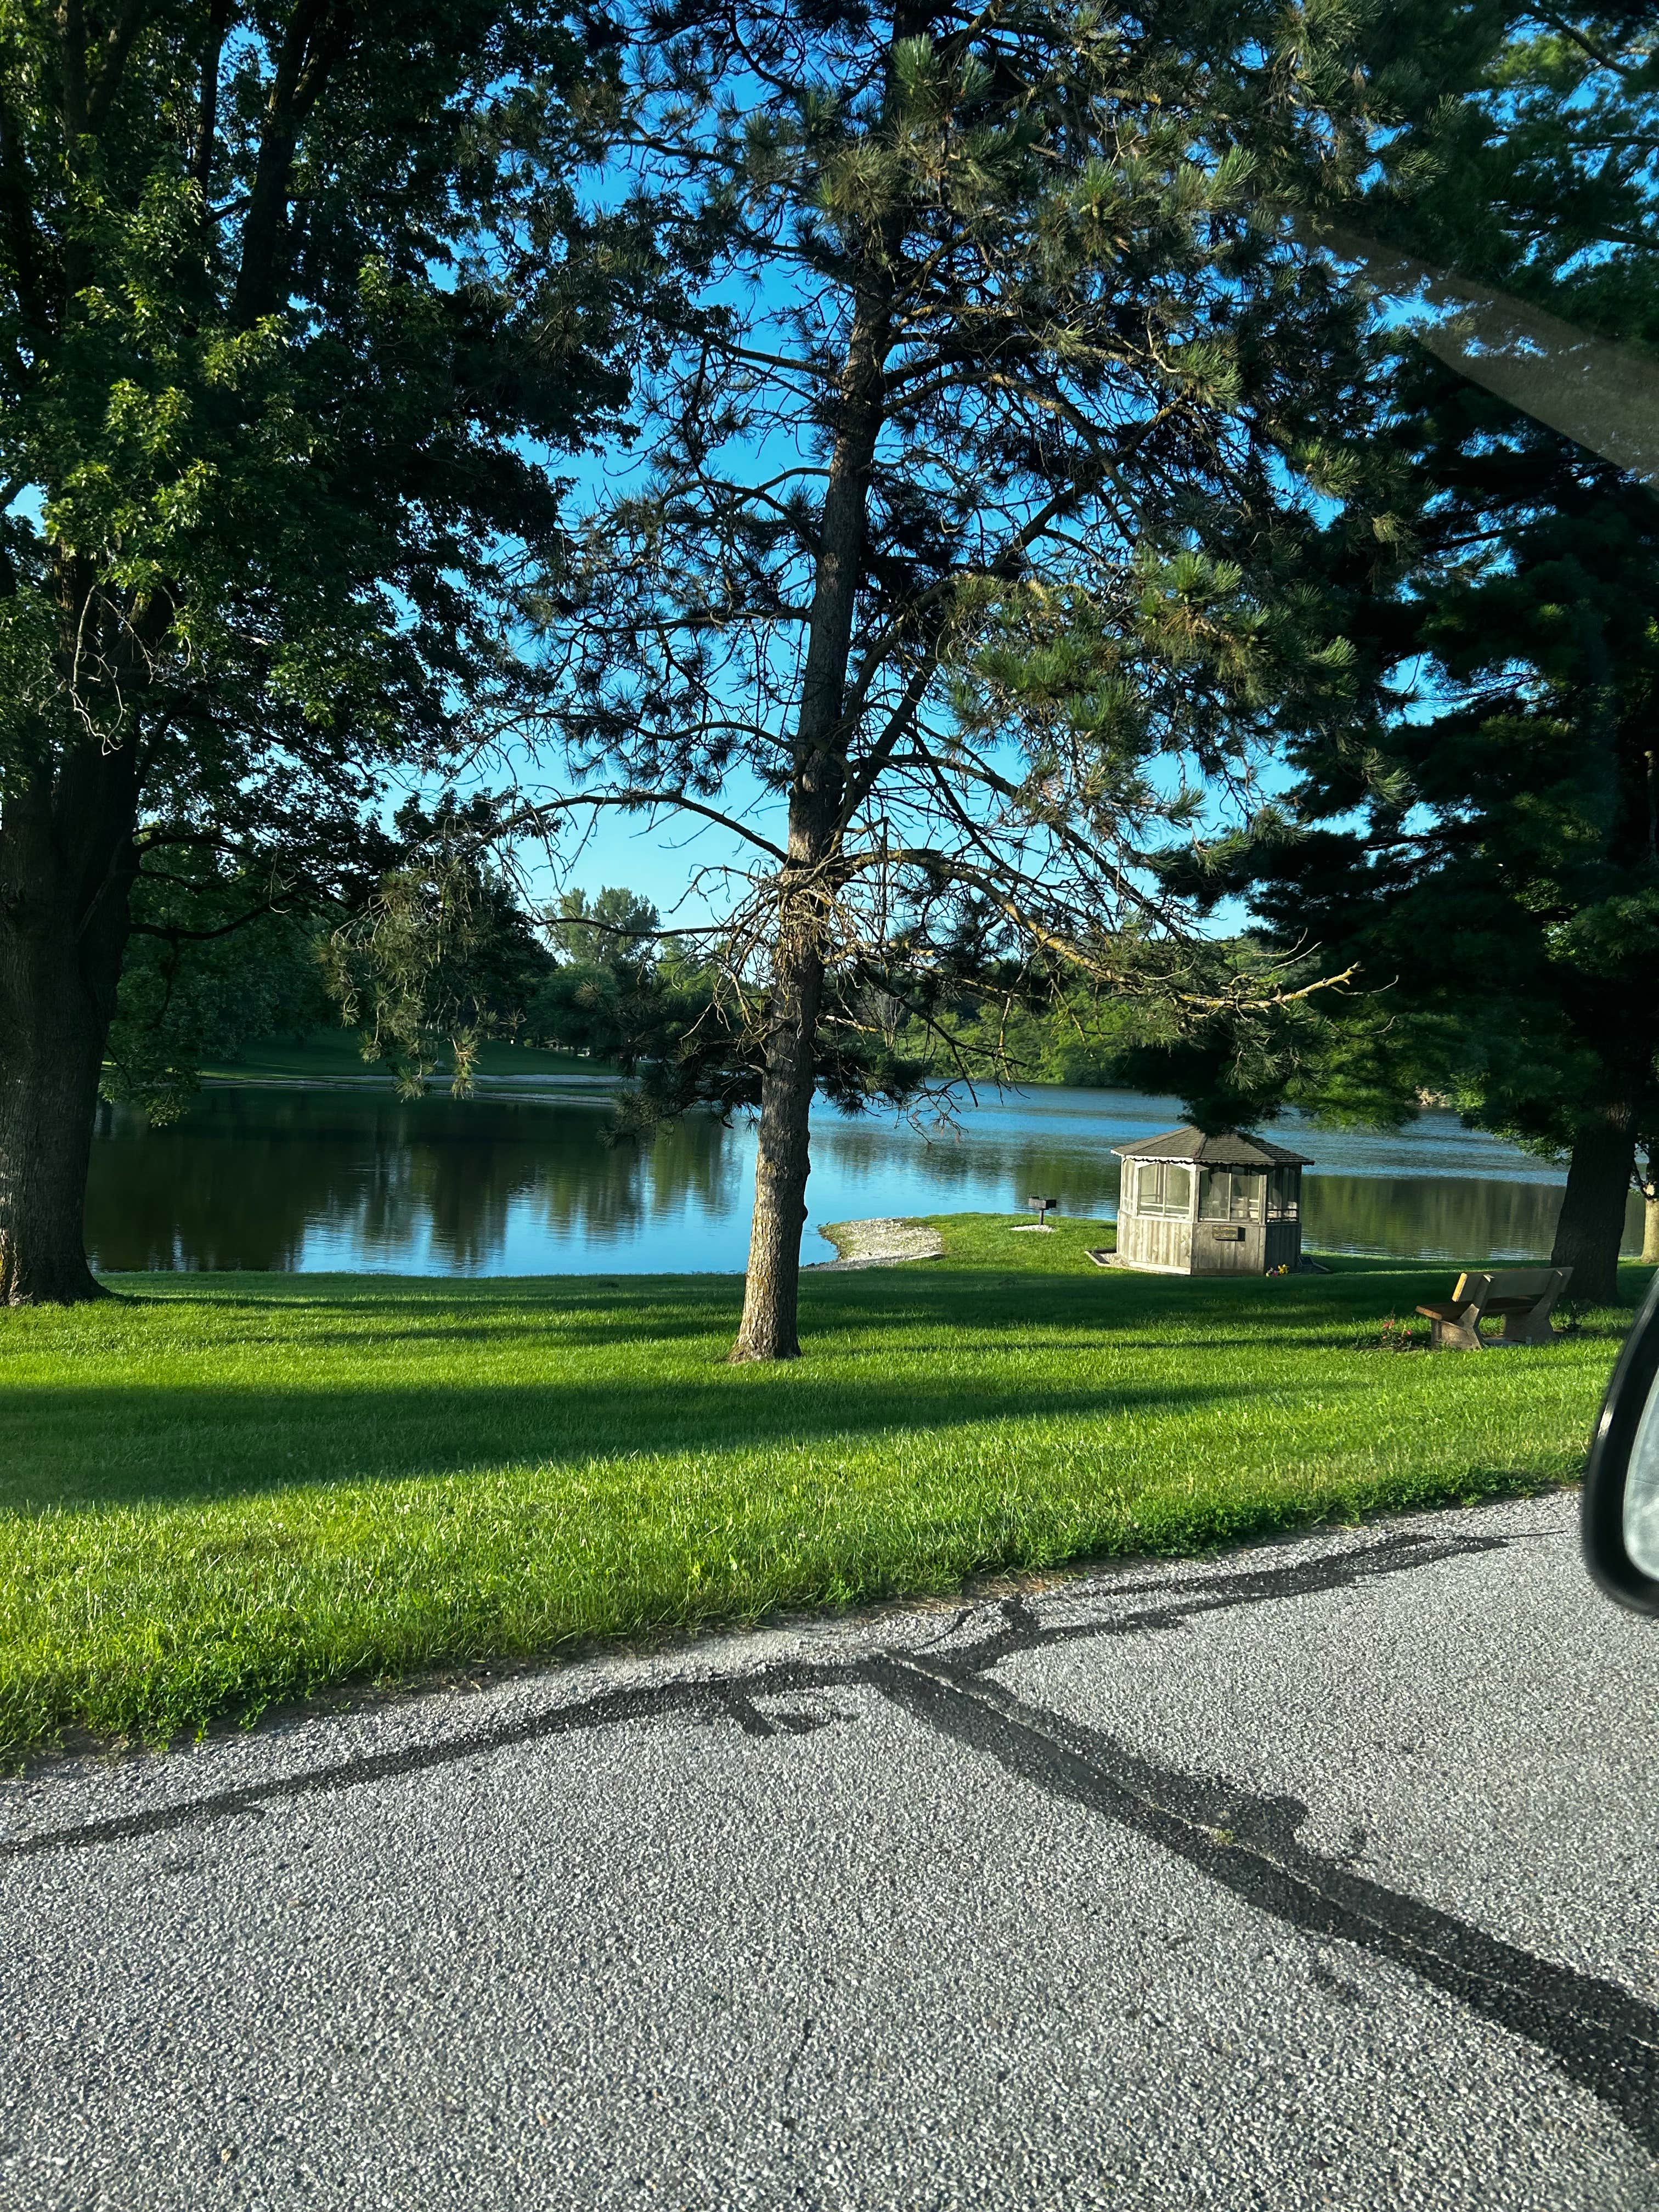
(691, 1162)
(268, 1179)
(1447, 1217)
(1003, 1171)
(201, 1193)
(243, 1179)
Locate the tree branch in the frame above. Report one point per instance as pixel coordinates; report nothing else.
(318, 35)
(172, 935)
(1571, 31)
(117, 44)
(533, 815)
(207, 126)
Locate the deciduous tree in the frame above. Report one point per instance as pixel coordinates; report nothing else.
(294, 309)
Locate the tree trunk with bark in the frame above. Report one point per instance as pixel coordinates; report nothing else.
(66, 870)
(49, 1072)
(1651, 1215)
(771, 1294)
(1591, 1224)
(769, 1329)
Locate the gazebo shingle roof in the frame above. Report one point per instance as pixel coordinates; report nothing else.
(1228, 1148)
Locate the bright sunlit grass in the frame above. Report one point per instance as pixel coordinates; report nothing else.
(219, 1492)
(332, 1056)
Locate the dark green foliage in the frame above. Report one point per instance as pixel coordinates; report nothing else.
(617, 930)
(440, 958)
(609, 992)
(675, 1018)
(1072, 1038)
(282, 431)
(1483, 841)
(1523, 149)
(216, 960)
(1503, 889)
(295, 303)
(1219, 1023)
(621, 989)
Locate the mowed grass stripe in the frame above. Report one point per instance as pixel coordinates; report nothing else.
(217, 1492)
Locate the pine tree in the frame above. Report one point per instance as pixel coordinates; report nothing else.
(1503, 888)
(943, 580)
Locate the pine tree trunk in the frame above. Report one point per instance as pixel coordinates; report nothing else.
(1591, 1224)
(771, 1295)
(1651, 1215)
(66, 867)
(769, 1329)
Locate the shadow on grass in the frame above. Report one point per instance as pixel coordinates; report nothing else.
(605, 1310)
(118, 1445)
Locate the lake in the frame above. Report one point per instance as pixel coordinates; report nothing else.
(520, 1180)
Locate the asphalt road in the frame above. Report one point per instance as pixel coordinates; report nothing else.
(1325, 1875)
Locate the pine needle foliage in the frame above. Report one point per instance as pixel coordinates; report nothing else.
(948, 579)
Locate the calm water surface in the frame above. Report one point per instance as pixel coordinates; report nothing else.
(521, 1180)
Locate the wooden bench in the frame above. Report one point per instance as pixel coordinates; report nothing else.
(1520, 1297)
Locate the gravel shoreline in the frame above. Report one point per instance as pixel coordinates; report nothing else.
(886, 1242)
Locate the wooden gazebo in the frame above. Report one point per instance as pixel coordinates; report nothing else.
(1193, 1205)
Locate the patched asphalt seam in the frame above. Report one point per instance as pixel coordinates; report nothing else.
(732, 1695)
(1600, 2035)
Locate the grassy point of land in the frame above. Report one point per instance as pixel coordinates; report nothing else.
(335, 1056)
(220, 1492)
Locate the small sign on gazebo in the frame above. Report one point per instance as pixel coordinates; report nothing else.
(1226, 1204)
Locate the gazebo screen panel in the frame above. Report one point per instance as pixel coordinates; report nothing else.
(1249, 1196)
(1284, 1194)
(1163, 1190)
(1240, 1194)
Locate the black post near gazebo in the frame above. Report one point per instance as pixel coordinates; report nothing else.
(1226, 1204)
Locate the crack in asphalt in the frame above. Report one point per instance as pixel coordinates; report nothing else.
(1601, 2036)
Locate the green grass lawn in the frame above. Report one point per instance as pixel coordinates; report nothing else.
(335, 1055)
(219, 1492)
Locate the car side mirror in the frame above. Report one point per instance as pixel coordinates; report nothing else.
(1621, 1483)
